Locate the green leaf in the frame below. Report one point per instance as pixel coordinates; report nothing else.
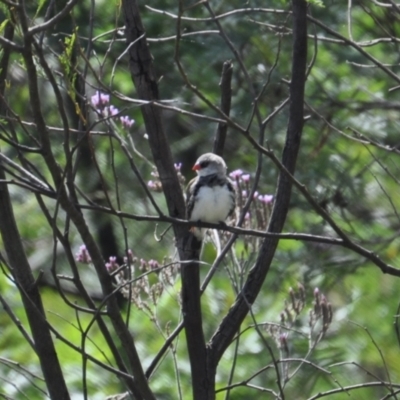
(3, 25)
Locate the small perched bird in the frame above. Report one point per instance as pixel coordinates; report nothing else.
(210, 197)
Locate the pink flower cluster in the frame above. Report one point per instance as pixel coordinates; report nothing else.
(148, 265)
(83, 255)
(112, 264)
(100, 101)
(240, 178)
(156, 185)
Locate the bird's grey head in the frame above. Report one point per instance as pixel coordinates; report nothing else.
(208, 164)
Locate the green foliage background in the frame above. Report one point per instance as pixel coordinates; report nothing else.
(357, 183)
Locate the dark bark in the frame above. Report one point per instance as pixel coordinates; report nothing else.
(31, 299)
(144, 78)
(226, 98)
(202, 377)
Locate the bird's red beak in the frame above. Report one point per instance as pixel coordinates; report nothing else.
(196, 167)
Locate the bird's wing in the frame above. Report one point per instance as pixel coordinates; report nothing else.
(232, 191)
(191, 190)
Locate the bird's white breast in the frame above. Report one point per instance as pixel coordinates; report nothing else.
(212, 204)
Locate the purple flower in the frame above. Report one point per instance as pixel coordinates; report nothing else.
(247, 216)
(129, 257)
(112, 111)
(112, 264)
(178, 166)
(266, 198)
(153, 264)
(244, 193)
(283, 340)
(126, 121)
(151, 185)
(236, 174)
(143, 264)
(83, 255)
(100, 100)
(246, 177)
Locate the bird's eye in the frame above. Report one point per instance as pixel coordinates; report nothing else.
(204, 164)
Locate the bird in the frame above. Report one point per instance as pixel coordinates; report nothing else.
(210, 197)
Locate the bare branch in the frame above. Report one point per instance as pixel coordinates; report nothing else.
(8, 44)
(346, 389)
(52, 21)
(355, 46)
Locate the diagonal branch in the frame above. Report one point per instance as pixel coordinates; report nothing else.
(231, 323)
(144, 78)
(22, 272)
